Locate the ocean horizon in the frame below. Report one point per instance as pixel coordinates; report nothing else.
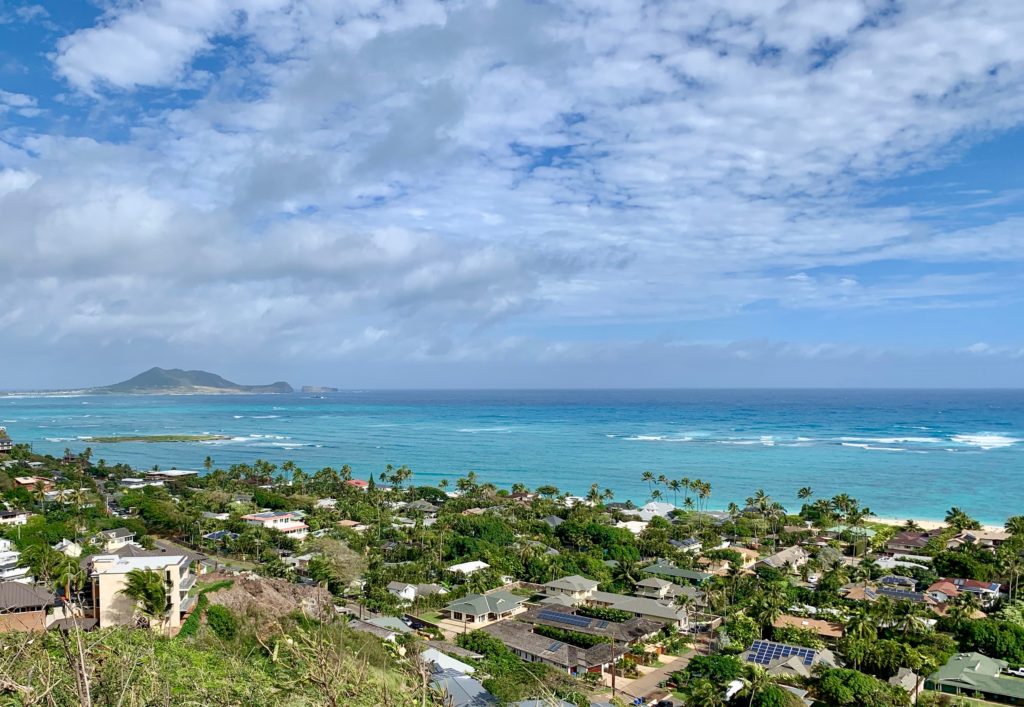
(902, 452)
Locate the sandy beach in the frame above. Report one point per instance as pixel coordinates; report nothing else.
(927, 524)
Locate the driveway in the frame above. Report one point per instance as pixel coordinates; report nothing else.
(646, 684)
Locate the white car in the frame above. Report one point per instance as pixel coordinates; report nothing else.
(1019, 672)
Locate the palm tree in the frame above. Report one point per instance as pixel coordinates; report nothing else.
(149, 590)
(861, 624)
(70, 576)
(703, 693)
(757, 681)
(674, 485)
(805, 493)
(648, 476)
(1015, 526)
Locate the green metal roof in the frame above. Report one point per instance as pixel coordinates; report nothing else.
(974, 672)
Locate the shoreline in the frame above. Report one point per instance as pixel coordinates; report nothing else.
(927, 524)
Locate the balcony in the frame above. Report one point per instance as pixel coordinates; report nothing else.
(187, 582)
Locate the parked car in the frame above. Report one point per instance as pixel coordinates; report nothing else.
(1018, 672)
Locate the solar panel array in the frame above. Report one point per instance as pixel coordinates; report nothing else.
(570, 619)
(764, 652)
(602, 624)
(555, 646)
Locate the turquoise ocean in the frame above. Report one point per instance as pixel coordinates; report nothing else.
(902, 453)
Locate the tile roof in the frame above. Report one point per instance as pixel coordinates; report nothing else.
(15, 595)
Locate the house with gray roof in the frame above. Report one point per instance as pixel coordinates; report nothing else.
(790, 558)
(519, 638)
(666, 569)
(23, 607)
(484, 608)
(574, 586)
(460, 690)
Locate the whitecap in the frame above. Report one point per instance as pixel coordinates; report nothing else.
(985, 440)
(265, 417)
(474, 430)
(873, 447)
(657, 438)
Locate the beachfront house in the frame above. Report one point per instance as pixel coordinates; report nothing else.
(480, 609)
(286, 522)
(108, 575)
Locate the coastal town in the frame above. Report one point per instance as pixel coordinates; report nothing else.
(294, 587)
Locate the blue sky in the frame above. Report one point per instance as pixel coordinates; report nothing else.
(513, 193)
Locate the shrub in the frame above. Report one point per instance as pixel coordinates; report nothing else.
(222, 622)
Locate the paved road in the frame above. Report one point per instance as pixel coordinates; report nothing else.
(646, 684)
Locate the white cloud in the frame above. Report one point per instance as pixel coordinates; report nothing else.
(457, 174)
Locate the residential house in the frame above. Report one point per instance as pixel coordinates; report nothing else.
(665, 569)
(352, 525)
(132, 483)
(11, 569)
(440, 662)
(911, 541)
(469, 567)
(788, 559)
(68, 548)
(422, 506)
(390, 623)
(750, 557)
(287, 522)
(113, 540)
(909, 681)
(657, 588)
(6, 443)
(411, 592)
(643, 608)
(988, 539)
(625, 632)
(483, 608)
(24, 607)
(688, 545)
(786, 660)
(945, 589)
(109, 575)
(171, 474)
(974, 674)
(33, 483)
(461, 690)
(574, 586)
(358, 483)
(898, 582)
(327, 503)
(829, 631)
(14, 517)
(535, 648)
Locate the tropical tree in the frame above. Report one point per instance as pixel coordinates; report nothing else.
(149, 590)
(805, 493)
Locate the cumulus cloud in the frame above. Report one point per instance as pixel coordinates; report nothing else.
(469, 177)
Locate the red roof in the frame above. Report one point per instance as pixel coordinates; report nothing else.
(358, 483)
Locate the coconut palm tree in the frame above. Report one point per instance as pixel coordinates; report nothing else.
(861, 624)
(757, 681)
(648, 476)
(703, 693)
(149, 590)
(674, 485)
(805, 493)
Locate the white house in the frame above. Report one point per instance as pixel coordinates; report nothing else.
(14, 517)
(282, 521)
(69, 548)
(469, 567)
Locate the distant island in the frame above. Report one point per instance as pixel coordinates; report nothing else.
(175, 381)
(318, 389)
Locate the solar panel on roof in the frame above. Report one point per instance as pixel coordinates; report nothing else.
(559, 617)
(764, 652)
(555, 646)
(602, 624)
